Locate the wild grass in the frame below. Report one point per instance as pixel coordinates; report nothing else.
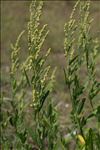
(42, 130)
(81, 51)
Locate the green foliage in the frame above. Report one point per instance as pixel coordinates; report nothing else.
(41, 130)
(34, 74)
(81, 51)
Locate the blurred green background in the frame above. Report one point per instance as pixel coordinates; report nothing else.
(14, 18)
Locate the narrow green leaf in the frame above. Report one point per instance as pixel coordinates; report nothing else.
(98, 113)
(66, 79)
(81, 105)
(90, 140)
(73, 60)
(27, 78)
(42, 100)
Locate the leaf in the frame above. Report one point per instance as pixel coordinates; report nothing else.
(90, 116)
(22, 136)
(81, 105)
(66, 79)
(72, 60)
(14, 84)
(43, 99)
(27, 78)
(32, 78)
(98, 113)
(83, 121)
(81, 139)
(49, 110)
(13, 120)
(90, 139)
(95, 89)
(46, 121)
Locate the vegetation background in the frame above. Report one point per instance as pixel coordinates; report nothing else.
(14, 18)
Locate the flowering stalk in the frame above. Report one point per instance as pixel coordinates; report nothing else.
(77, 56)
